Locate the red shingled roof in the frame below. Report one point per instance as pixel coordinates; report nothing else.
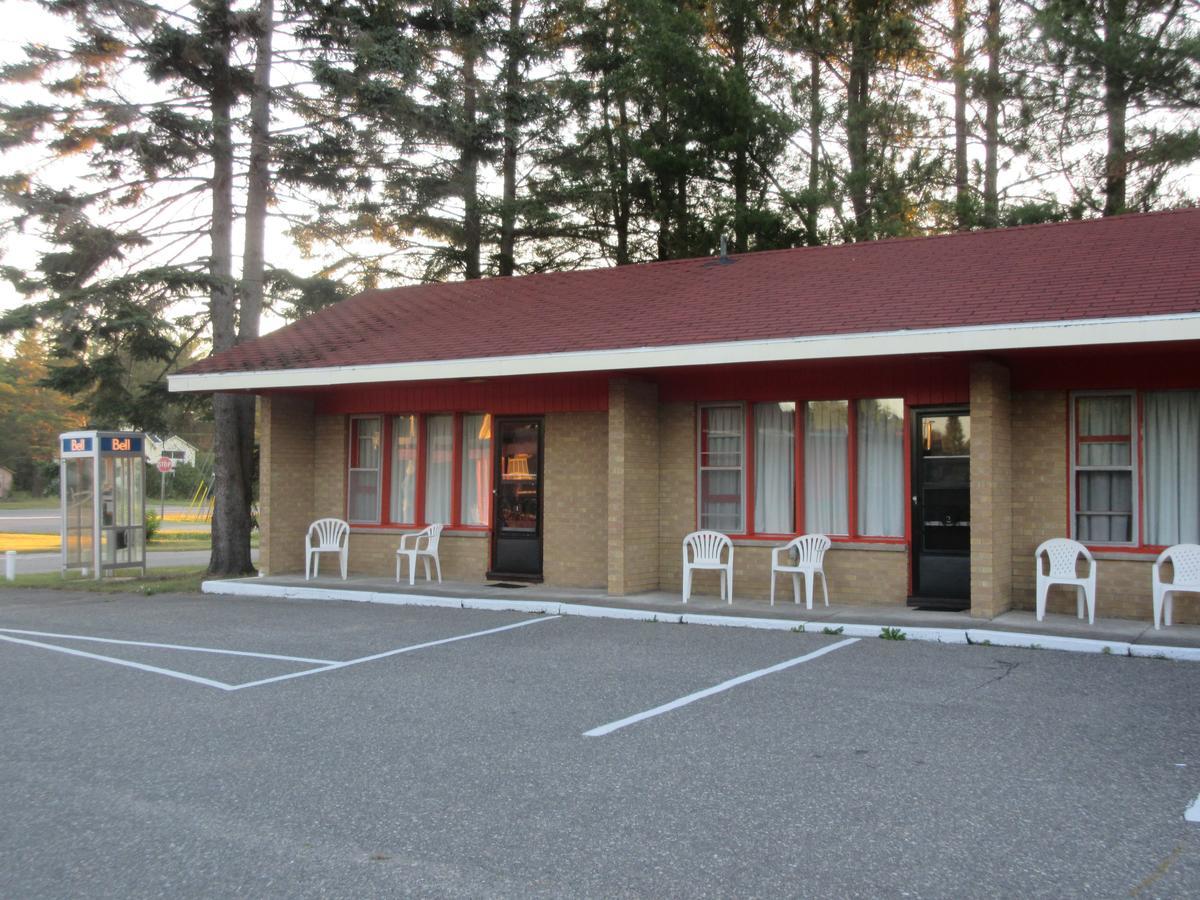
(1135, 265)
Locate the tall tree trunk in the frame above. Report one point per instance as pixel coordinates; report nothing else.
(741, 157)
(991, 121)
(962, 186)
(1116, 104)
(232, 491)
(512, 124)
(469, 165)
(624, 199)
(858, 116)
(815, 116)
(259, 178)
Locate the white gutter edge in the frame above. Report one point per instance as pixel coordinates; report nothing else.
(980, 338)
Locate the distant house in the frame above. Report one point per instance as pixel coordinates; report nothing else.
(173, 447)
(6, 480)
(937, 406)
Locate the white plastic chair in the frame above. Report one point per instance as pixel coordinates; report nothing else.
(810, 557)
(707, 548)
(326, 536)
(1062, 554)
(430, 536)
(1185, 561)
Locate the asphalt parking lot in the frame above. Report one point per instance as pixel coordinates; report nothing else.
(349, 750)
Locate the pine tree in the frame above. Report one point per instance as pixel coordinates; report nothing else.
(1125, 70)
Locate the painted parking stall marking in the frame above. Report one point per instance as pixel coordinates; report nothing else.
(715, 689)
(1192, 813)
(11, 635)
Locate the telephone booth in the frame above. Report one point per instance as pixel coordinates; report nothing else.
(102, 483)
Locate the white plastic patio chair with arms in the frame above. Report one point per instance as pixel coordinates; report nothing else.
(707, 550)
(1185, 565)
(425, 553)
(809, 550)
(1062, 555)
(326, 536)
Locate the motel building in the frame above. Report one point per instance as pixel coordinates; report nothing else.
(937, 406)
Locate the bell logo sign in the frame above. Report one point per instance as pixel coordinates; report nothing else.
(119, 445)
(78, 445)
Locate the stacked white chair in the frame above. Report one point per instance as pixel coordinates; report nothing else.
(1185, 564)
(326, 536)
(424, 552)
(810, 559)
(708, 551)
(1063, 555)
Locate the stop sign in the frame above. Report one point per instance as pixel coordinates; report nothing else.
(166, 464)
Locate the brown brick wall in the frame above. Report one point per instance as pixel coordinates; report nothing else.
(286, 455)
(1040, 500)
(633, 483)
(463, 557)
(329, 485)
(575, 546)
(676, 490)
(991, 489)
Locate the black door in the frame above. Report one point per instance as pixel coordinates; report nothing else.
(517, 500)
(941, 508)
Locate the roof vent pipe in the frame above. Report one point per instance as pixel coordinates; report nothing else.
(724, 247)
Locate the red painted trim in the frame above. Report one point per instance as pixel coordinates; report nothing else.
(1069, 423)
(852, 468)
(521, 395)
(701, 449)
(908, 467)
(456, 458)
(419, 499)
(385, 475)
(1140, 500)
(1103, 439)
(1147, 550)
(748, 485)
(398, 527)
(798, 480)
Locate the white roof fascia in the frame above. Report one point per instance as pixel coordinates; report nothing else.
(979, 338)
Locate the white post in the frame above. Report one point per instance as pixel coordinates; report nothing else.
(10, 565)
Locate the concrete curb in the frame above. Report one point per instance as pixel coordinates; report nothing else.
(979, 636)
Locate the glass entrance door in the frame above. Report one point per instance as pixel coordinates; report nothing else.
(941, 507)
(517, 506)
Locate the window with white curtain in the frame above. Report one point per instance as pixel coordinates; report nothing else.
(826, 466)
(774, 468)
(1171, 420)
(404, 469)
(1104, 468)
(722, 463)
(880, 473)
(476, 468)
(439, 468)
(363, 485)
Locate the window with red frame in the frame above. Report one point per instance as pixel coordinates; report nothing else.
(437, 469)
(847, 460)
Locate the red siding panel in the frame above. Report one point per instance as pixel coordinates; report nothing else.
(508, 396)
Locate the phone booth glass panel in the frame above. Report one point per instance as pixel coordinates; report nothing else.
(103, 501)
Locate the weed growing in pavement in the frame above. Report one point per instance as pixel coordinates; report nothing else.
(829, 629)
(1107, 651)
(799, 629)
(892, 634)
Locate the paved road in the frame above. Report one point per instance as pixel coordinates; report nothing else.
(46, 521)
(34, 563)
(461, 769)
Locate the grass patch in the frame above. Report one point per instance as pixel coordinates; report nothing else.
(23, 500)
(174, 579)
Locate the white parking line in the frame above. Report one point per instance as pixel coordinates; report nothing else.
(1192, 814)
(188, 647)
(387, 653)
(209, 682)
(7, 634)
(715, 689)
